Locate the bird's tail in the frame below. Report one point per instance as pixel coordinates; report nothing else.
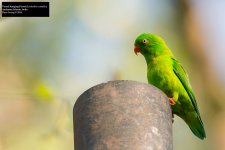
(197, 127)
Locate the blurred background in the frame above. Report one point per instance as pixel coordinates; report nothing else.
(46, 63)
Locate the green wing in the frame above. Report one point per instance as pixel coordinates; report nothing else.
(182, 76)
(199, 131)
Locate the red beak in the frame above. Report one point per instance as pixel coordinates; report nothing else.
(136, 50)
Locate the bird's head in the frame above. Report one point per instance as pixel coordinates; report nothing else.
(150, 45)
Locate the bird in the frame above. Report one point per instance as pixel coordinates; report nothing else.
(166, 73)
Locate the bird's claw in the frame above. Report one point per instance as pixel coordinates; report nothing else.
(172, 117)
(172, 102)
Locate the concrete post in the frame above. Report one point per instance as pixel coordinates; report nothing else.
(122, 115)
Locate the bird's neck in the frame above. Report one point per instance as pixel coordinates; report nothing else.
(150, 58)
(154, 60)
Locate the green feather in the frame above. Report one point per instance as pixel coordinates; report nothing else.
(181, 74)
(166, 73)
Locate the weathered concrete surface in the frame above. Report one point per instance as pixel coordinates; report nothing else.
(122, 115)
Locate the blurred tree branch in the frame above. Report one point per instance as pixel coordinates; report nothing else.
(195, 42)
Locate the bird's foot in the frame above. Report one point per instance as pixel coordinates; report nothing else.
(172, 117)
(172, 102)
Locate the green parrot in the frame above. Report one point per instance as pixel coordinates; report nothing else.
(166, 73)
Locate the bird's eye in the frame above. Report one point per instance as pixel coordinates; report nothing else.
(145, 41)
